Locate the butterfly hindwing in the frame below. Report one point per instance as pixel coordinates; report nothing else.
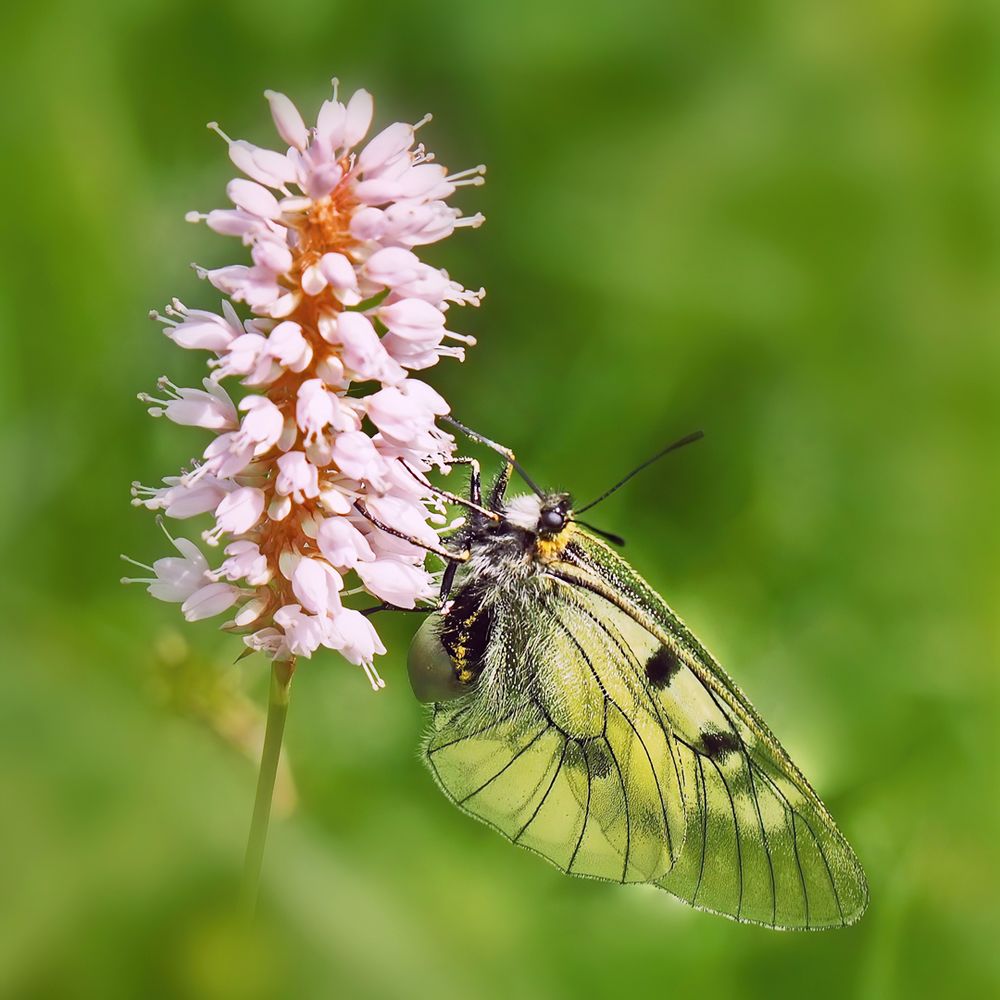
(555, 748)
(759, 845)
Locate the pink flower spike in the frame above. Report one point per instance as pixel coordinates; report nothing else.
(324, 414)
(303, 634)
(231, 222)
(287, 119)
(405, 516)
(392, 266)
(175, 579)
(272, 255)
(262, 165)
(422, 393)
(269, 641)
(369, 224)
(385, 148)
(320, 182)
(244, 561)
(283, 306)
(330, 124)
(339, 273)
(200, 330)
(179, 499)
(211, 408)
(226, 456)
(249, 613)
(313, 281)
(242, 356)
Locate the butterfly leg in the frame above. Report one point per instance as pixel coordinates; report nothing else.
(438, 550)
(474, 502)
(447, 579)
(385, 606)
(500, 484)
(475, 477)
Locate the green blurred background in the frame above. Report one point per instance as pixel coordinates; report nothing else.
(775, 221)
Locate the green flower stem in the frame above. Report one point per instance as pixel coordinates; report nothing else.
(277, 709)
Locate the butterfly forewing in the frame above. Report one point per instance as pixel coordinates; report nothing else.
(759, 845)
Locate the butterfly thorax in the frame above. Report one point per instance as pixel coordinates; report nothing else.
(501, 591)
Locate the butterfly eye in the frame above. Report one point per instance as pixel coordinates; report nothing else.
(551, 521)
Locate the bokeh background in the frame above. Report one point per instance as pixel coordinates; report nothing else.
(776, 221)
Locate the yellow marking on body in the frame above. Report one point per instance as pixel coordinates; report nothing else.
(551, 549)
(460, 659)
(462, 670)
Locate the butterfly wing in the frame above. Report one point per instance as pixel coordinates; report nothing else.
(759, 846)
(553, 747)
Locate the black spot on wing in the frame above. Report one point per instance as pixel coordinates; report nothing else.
(719, 745)
(662, 667)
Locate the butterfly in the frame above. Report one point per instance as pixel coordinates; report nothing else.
(575, 713)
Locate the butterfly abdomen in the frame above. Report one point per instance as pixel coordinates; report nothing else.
(466, 630)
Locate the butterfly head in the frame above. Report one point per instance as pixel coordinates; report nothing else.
(555, 512)
(545, 516)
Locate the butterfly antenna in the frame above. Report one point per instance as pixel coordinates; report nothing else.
(609, 535)
(499, 449)
(687, 439)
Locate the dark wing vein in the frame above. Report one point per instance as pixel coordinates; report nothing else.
(472, 735)
(816, 840)
(747, 762)
(608, 700)
(520, 753)
(704, 824)
(792, 814)
(622, 646)
(736, 836)
(798, 864)
(621, 779)
(586, 811)
(656, 778)
(562, 757)
(763, 833)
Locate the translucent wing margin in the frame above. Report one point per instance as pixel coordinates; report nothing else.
(759, 844)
